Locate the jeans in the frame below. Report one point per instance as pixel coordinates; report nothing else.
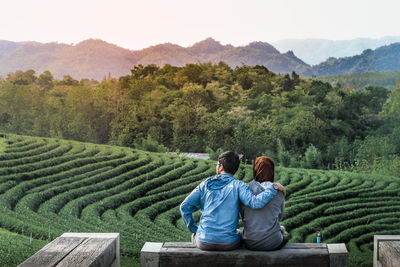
(214, 246)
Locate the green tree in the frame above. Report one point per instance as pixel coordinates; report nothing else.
(340, 153)
(312, 158)
(45, 79)
(284, 156)
(68, 80)
(22, 78)
(373, 147)
(191, 73)
(301, 127)
(391, 108)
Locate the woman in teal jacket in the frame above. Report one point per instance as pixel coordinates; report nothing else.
(219, 198)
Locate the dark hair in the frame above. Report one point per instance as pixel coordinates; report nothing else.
(263, 169)
(230, 160)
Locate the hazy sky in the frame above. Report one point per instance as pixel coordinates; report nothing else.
(136, 24)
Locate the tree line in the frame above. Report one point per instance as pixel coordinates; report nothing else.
(208, 107)
(387, 79)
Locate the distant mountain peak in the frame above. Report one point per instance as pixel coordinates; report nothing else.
(92, 42)
(264, 46)
(169, 45)
(208, 41)
(208, 45)
(290, 53)
(161, 48)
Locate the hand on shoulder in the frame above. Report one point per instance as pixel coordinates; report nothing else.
(281, 188)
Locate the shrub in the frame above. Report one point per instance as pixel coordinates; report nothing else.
(151, 145)
(214, 154)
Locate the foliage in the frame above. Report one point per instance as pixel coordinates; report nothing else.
(386, 166)
(392, 106)
(198, 106)
(19, 246)
(284, 156)
(358, 81)
(374, 147)
(214, 154)
(2, 145)
(151, 145)
(51, 186)
(312, 158)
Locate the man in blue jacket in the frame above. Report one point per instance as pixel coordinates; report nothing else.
(219, 198)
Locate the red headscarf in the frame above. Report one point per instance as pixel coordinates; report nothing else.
(263, 169)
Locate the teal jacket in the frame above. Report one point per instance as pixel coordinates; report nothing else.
(219, 198)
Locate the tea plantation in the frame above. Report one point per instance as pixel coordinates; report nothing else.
(52, 186)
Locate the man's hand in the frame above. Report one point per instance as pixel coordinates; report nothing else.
(281, 188)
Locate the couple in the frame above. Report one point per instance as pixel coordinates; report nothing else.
(221, 197)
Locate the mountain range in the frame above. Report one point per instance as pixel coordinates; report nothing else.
(384, 58)
(98, 59)
(315, 51)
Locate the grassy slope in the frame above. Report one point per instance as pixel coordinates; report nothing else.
(2, 144)
(313, 196)
(14, 247)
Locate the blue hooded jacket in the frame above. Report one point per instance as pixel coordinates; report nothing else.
(219, 198)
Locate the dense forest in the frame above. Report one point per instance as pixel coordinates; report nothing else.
(388, 79)
(208, 107)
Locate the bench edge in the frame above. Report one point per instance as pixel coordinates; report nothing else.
(150, 254)
(115, 236)
(337, 255)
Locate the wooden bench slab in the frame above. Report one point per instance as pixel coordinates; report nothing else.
(386, 250)
(78, 249)
(293, 254)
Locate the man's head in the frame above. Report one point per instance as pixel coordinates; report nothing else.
(263, 169)
(229, 161)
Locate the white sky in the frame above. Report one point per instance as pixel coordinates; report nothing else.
(136, 24)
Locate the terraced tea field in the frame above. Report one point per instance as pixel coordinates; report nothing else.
(50, 186)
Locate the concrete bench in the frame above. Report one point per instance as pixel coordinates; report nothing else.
(386, 250)
(78, 249)
(293, 254)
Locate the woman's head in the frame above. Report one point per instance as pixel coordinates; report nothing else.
(263, 169)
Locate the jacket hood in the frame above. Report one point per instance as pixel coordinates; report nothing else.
(219, 181)
(257, 187)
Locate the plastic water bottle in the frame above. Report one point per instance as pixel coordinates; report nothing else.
(319, 237)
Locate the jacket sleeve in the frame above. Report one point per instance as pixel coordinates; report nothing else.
(188, 206)
(247, 197)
